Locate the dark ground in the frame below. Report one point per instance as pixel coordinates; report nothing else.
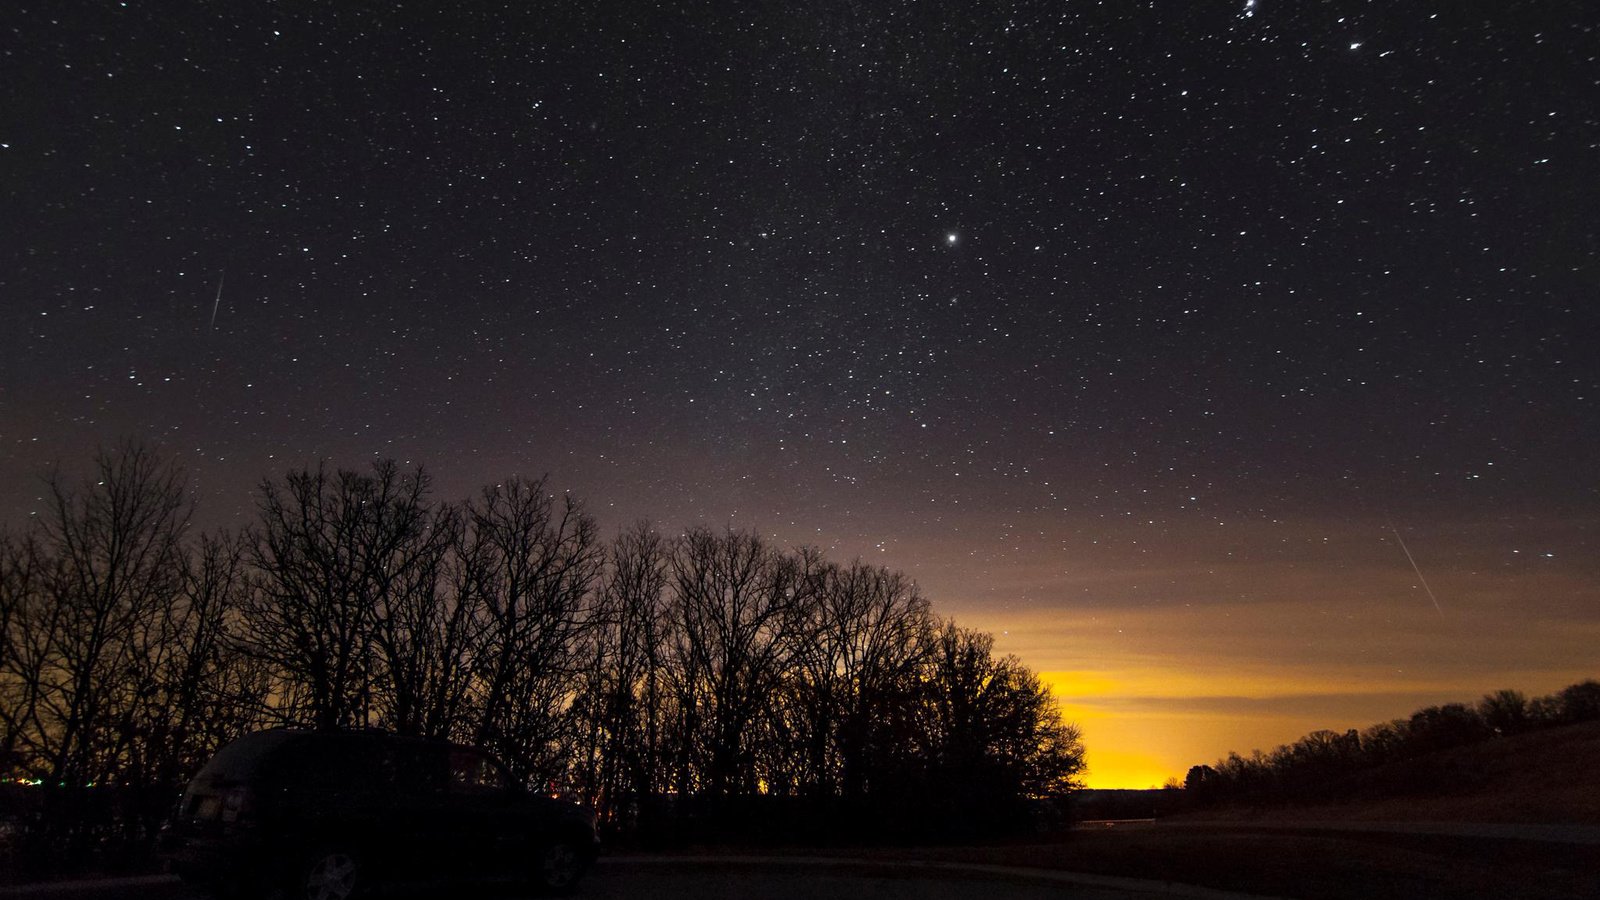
(1315, 866)
(1249, 859)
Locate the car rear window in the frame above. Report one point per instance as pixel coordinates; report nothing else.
(242, 758)
(474, 772)
(358, 762)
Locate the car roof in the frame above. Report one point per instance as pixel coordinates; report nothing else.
(243, 756)
(246, 753)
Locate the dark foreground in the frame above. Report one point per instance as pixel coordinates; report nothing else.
(1338, 861)
(722, 879)
(1345, 862)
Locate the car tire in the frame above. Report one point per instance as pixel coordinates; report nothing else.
(332, 873)
(558, 866)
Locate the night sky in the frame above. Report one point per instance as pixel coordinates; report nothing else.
(1140, 333)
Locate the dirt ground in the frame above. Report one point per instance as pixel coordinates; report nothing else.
(1316, 867)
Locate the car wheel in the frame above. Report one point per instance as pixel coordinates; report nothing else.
(329, 875)
(559, 868)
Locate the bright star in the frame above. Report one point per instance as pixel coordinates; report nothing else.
(950, 238)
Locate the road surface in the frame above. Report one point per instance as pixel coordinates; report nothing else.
(736, 879)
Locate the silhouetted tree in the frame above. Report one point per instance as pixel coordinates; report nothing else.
(88, 598)
(991, 733)
(535, 560)
(427, 626)
(329, 553)
(624, 697)
(1581, 702)
(738, 605)
(1200, 780)
(867, 636)
(743, 682)
(20, 662)
(1442, 727)
(1385, 741)
(1504, 712)
(202, 691)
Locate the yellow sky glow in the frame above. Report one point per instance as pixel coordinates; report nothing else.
(1169, 689)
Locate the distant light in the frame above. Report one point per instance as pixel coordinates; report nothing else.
(950, 238)
(1356, 46)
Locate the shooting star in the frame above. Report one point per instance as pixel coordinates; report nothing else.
(217, 302)
(1416, 569)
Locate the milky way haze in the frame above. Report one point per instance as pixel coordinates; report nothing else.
(1140, 333)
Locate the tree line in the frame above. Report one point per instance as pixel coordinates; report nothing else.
(1325, 764)
(693, 683)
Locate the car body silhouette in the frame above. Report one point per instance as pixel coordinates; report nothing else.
(327, 814)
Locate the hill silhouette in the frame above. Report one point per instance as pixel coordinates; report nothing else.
(1545, 776)
(1413, 757)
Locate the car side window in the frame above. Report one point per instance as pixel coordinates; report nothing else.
(413, 769)
(475, 773)
(327, 763)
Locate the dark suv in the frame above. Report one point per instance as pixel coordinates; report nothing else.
(323, 815)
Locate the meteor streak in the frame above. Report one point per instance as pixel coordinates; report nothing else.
(217, 302)
(1414, 568)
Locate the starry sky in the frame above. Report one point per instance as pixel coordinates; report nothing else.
(1142, 334)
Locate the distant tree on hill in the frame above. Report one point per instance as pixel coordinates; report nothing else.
(1322, 762)
(1385, 741)
(1504, 712)
(1442, 727)
(1312, 763)
(1200, 779)
(1581, 702)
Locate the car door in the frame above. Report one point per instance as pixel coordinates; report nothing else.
(417, 831)
(369, 795)
(481, 802)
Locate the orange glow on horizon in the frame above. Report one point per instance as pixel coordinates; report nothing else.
(1109, 768)
(1199, 642)
(1142, 729)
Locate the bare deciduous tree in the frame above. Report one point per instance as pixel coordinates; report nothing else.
(427, 626)
(869, 633)
(535, 561)
(84, 598)
(624, 697)
(739, 602)
(331, 550)
(115, 562)
(991, 729)
(20, 661)
(715, 668)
